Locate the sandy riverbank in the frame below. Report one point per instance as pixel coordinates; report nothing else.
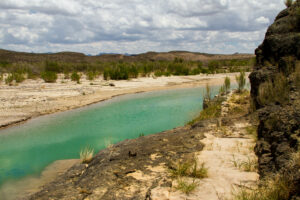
(33, 98)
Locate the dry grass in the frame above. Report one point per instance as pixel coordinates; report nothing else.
(277, 188)
(274, 91)
(189, 169)
(186, 187)
(86, 154)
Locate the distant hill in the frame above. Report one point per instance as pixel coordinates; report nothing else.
(13, 56)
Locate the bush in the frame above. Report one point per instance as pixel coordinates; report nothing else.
(49, 76)
(75, 77)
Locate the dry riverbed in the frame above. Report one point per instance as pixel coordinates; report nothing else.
(33, 98)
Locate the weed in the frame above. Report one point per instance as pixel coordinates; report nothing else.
(186, 187)
(86, 154)
(190, 169)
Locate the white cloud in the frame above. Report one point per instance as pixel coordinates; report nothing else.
(262, 20)
(135, 26)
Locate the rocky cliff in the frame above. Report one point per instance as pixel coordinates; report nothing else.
(275, 94)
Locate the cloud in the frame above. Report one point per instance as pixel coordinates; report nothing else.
(135, 26)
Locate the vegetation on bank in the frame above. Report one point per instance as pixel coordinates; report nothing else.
(120, 70)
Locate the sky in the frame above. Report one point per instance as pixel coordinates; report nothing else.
(135, 26)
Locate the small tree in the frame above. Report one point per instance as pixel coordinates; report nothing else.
(227, 84)
(241, 81)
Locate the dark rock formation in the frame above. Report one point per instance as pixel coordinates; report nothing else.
(279, 121)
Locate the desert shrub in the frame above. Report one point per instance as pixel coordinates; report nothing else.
(241, 80)
(9, 79)
(274, 91)
(86, 154)
(49, 76)
(212, 66)
(18, 77)
(14, 76)
(91, 75)
(158, 73)
(66, 75)
(75, 77)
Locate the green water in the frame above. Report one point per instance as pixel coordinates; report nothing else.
(28, 148)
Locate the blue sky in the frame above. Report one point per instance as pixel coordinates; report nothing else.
(135, 26)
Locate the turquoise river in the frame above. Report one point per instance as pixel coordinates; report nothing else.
(28, 148)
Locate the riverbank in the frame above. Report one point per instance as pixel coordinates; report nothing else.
(141, 168)
(34, 98)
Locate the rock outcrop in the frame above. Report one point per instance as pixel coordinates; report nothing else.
(275, 94)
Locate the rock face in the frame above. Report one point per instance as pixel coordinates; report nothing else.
(279, 116)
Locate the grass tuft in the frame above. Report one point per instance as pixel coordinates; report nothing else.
(86, 154)
(190, 169)
(186, 187)
(276, 188)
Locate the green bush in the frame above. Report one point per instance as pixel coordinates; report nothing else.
(49, 76)
(75, 77)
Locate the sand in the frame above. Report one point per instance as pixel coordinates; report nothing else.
(33, 98)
